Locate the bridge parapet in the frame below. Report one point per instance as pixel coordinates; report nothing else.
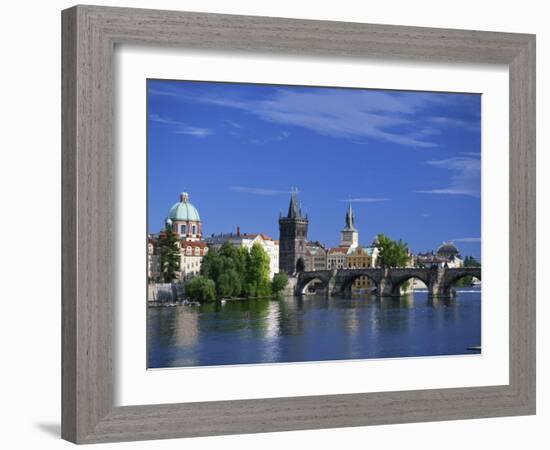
(387, 281)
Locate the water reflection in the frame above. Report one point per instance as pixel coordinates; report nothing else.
(313, 328)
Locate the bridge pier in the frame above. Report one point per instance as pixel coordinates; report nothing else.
(385, 288)
(442, 292)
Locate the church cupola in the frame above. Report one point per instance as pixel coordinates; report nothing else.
(185, 219)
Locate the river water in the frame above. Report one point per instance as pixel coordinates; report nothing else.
(313, 328)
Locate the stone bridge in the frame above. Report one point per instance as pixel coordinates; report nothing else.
(387, 282)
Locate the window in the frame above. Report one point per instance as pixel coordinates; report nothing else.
(194, 229)
(183, 229)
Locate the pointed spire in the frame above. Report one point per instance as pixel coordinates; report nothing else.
(293, 208)
(350, 219)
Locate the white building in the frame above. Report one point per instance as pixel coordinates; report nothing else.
(191, 254)
(337, 257)
(349, 236)
(247, 240)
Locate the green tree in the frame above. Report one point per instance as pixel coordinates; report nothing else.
(392, 253)
(257, 272)
(201, 289)
(241, 264)
(236, 272)
(469, 261)
(229, 284)
(279, 282)
(169, 255)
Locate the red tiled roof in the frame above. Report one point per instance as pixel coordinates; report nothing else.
(338, 250)
(186, 243)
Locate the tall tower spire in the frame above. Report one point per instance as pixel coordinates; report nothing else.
(349, 236)
(350, 219)
(294, 211)
(292, 237)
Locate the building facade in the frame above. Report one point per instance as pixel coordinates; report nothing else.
(152, 258)
(316, 256)
(337, 258)
(293, 238)
(191, 255)
(360, 258)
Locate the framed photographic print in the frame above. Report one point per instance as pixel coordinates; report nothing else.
(328, 205)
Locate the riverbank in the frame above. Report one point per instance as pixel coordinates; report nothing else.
(187, 302)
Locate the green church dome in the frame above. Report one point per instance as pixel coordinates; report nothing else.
(183, 210)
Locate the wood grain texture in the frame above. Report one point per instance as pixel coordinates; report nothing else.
(68, 226)
(89, 36)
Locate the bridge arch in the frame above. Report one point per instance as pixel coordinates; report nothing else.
(452, 277)
(398, 282)
(347, 281)
(306, 278)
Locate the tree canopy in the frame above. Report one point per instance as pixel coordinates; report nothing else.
(392, 253)
(201, 288)
(279, 282)
(237, 272)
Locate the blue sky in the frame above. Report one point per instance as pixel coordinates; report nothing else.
(408, 161)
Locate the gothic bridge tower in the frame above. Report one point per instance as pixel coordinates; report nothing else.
(292, 238)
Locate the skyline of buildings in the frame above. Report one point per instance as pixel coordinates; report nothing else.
(293, 252)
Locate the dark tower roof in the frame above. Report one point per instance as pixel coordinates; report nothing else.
(350, 218)
(294, 210)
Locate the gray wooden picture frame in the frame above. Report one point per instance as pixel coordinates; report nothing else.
(90, 34)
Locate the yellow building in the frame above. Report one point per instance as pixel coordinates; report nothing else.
(362, 258)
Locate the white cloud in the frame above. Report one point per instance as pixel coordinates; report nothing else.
(257, 190)
(466, 179)
(232, 124)
(345, 113)
(278, 137)
(339, 113)
(468, 239)
(452, 122)
(181, 127)
(366, 200)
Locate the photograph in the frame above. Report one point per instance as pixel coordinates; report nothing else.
(306, 223)
(309, 223)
